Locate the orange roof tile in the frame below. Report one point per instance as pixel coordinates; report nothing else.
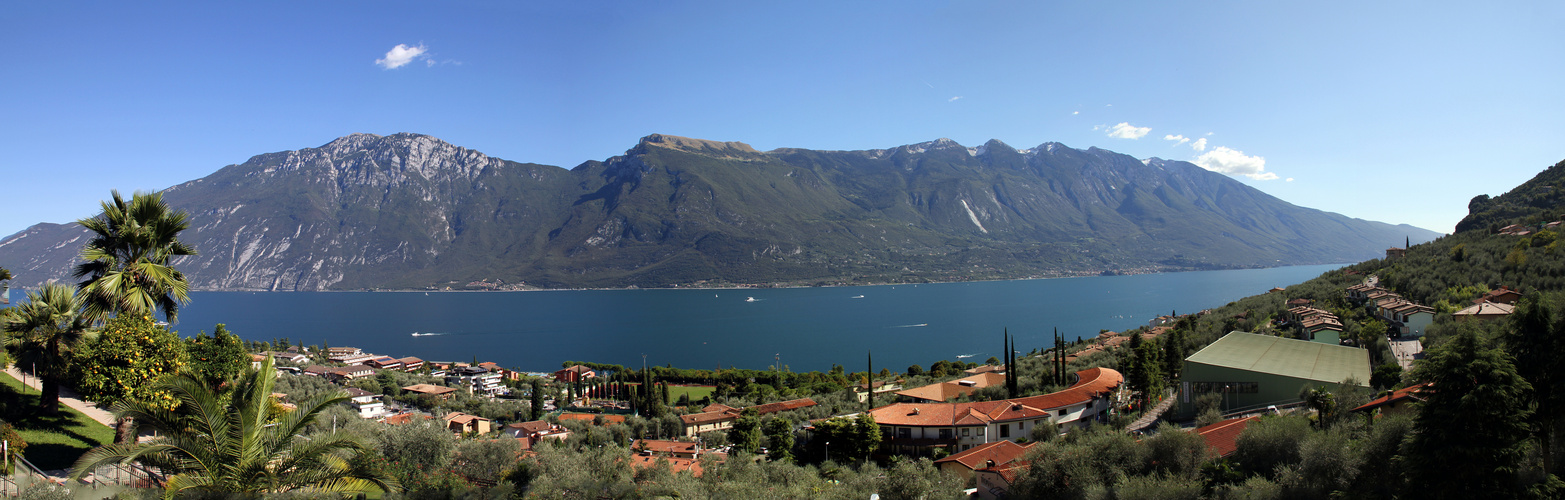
(693, 466)
(1090, 383)
(978, 457)
(1399, 395)
(1222, 436)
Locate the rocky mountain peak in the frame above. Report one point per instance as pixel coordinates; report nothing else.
(699, 146)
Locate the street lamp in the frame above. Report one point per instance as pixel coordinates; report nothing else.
(828, 450)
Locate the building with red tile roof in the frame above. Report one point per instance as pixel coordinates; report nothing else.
(1503, 295)
(608, 419)
(677, 465)
(965, 463)
(916, 428)
(385, 363)
(438, 391)
(946, 391)
(667, 448)
(993, 482)
(575, 373)
(462, 423)
(716, 417)
(1222, 436)
(1397, 401)
(411, 364)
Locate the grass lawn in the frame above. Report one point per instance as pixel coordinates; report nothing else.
(696, 392)
(53, 442)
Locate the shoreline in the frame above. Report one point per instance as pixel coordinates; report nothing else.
(758, 286)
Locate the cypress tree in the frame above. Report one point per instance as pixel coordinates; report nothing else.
(869, 377)
(1010, 364)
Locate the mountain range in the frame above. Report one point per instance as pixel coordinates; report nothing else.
(409, 211)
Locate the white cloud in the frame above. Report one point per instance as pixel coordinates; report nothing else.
(1178, 139)
(1127, 131)
(1075, 112)
(1199, 144)
(400, 56)
(953, 99)
(1290, 179)
(1235, 162)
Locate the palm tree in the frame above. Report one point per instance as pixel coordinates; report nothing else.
(127, 266)
(41, 334)
(233, 441)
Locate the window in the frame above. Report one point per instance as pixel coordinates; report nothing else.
(904, 432)
(1005, 430)
(982, 430)
(965, 430)
(1062, 412)
(945, 433)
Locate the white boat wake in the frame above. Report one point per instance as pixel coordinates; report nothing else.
(964, 356)
(912, 326)
(426, 334)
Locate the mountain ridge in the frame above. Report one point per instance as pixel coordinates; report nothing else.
(411, 211)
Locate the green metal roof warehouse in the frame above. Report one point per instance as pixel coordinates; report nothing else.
(1252, 370)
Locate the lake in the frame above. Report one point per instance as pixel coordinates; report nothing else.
(804, 328)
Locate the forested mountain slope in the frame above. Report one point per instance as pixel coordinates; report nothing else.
(411, 211)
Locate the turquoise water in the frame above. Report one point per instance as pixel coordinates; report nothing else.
(806, 328)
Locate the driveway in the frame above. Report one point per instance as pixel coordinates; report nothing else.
(1407, 350)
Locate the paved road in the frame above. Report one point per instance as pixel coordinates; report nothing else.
(1406, 351)
(68, 397)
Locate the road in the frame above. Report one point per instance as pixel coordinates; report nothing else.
(1407, 350)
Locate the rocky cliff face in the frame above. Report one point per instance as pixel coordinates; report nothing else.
(411, 211)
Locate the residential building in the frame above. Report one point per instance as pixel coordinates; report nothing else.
(479, 381)
(1253, 371)
(675, 465)
(719, 417)
(967, 463)
(666, 448)
(919, 428)
(335, 353)
(357, 359)
(992, 483)
(462, 423)
(411, 364)
(293, 358)
(368, 404)
(535, 429)
(1398, 401)
(439, 391)
(1411, 319)
(575, 373)
(1503, 295)
(385, 363)
(883, 390)
(1486, 311)
(945, 391)
(347, 373)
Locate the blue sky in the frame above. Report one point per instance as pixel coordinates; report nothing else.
(1396, 111)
